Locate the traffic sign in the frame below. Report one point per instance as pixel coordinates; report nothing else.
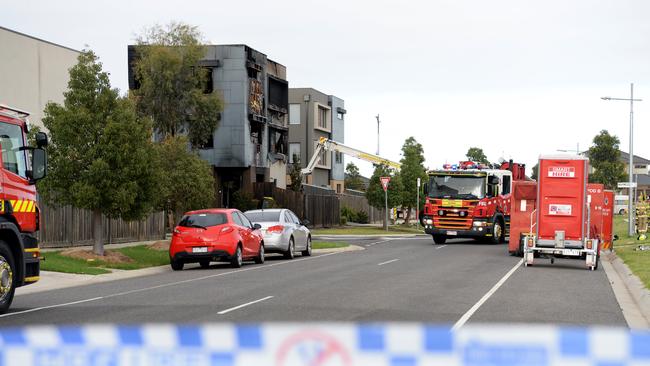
(418, 182)
(384, 182)
(627, 185)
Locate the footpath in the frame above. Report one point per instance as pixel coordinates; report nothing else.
(630, 292)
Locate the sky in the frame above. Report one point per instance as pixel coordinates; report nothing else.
(517, 78)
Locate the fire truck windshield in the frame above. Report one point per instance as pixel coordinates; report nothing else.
(456, 186)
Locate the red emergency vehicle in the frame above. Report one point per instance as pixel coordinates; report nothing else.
(468, 200)
(564, 224)
(21, 166)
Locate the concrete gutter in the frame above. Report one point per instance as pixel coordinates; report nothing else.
(374, 236)
(630, 292)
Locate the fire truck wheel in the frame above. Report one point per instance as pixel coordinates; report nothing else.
(497, 232)
(7, 279)
(439, 239)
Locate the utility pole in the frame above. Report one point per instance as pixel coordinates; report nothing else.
(630, 170)
(377, 116)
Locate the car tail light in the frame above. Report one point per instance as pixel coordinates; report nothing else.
(226, 229)
(176, 231)
(275, 229)
(590, 244)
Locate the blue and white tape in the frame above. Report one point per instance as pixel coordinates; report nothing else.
(392, 344)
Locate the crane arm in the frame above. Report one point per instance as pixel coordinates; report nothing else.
(329, 145)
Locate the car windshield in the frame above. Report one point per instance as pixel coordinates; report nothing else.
(203, 220)
(263, 216)
(456, 186)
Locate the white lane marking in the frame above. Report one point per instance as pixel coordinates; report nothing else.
(440, 247)
(50, 307)
(390, 261)
(244, 305)
(379, 242)
(169, 284)
(485, 297)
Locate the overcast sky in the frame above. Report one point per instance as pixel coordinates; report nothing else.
(517, 78)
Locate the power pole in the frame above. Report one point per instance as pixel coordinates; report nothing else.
(377, 116)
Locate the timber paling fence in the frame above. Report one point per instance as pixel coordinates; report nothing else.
(67, 226)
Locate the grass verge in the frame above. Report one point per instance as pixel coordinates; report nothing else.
(328, 245)
(367, 230)
(142, 256)
(637, 261)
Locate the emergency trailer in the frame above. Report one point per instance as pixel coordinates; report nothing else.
(20, 167)
(469, 200)
(562, 225)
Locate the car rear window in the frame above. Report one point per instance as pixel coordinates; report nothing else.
(263, 216)
(203, 220)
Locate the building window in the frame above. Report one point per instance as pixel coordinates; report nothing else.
(322, 156)
(208, 88)
(338, 188)
(277, 142)
(294, 114)
(294, 153)
(322, 117)
(338, 157)
(209, 144)
(339, 115)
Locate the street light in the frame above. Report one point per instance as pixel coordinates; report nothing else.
(570, 151)
(631, 162)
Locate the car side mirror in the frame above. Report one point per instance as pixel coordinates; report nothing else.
(257, 226)
(425, 186)
(39, 164)
(615, 237)
(41, 139)
(493, 180)
(305, 222)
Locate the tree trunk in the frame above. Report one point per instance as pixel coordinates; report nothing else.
(407, 218)
(98, 231)
(170, 220)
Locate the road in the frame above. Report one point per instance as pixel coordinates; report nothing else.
(411, 279)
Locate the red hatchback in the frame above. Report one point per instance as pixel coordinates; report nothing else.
(215, 235)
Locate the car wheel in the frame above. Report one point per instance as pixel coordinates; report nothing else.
(289, 253)
(439, 239)
(176, 264)
(307, 251)
(205, 264)
(237, 259)
(260, 256)
(7, 279)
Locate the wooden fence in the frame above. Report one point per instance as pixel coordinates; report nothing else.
(68, 226)
(360, 203)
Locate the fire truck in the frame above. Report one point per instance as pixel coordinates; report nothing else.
(21, 167)
(469, 200)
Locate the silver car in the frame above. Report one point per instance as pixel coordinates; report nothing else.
(283, 232)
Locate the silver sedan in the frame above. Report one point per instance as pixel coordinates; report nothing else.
(283, 232)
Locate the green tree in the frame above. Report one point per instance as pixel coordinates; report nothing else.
(100, 157)
(172, 85)
(295, 174)
(605, 158)
(535, 173)
(477, 155)
(188, 182)
(375, 192)
(412, 169)
(353, 178)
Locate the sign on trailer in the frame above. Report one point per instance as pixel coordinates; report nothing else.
(561, 172)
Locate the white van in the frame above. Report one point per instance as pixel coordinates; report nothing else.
(620, 204)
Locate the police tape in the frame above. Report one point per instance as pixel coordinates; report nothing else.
(392, 344)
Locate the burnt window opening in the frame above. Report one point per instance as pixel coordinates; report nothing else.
(209, 144)
(278, 94)
(208, 87)
(278, 142)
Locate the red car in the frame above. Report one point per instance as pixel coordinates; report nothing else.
(215, 234)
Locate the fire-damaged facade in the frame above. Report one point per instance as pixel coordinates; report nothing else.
(250, 144)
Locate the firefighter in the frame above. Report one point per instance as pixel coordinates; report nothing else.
(642, 210)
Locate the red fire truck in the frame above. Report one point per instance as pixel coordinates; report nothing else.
(469, 200)
(21, 166)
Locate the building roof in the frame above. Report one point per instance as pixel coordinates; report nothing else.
(625, 157)
(38, 39)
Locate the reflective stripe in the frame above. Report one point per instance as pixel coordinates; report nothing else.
(18, 205)
(32, 279)
(30, 205)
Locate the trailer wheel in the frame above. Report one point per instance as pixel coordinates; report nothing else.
(439, 239)
(7, 279)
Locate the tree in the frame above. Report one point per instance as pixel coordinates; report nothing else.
(412, 169)
(605, 158)
(173, 88)
(295, 174)
(353, 177)
(477, 155)
(100, 157)
(188, 182)
(535, 173)
(375, 192)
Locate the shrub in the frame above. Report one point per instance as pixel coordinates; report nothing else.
(243, 201)
(362, 217)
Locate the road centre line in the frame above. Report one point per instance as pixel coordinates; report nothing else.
(485, 297)
(440, 247)
(390, 261)
(379, 242)
(166, 285)
(244, 305)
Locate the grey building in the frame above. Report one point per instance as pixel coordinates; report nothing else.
(33, 72)
(250, 143)
(312, 115)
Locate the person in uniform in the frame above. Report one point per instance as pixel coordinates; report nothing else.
(642, 208)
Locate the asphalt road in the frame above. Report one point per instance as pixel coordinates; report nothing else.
(391, 280)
